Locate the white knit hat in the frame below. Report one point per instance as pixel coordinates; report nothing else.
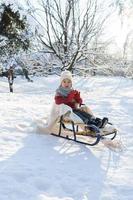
(66, 75)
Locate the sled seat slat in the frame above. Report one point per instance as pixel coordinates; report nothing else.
(69, 121)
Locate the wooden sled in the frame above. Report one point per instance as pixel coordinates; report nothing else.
(85, 136)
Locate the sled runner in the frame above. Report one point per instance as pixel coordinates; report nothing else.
(88, 135)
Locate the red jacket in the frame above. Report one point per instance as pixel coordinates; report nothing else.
(74, 95)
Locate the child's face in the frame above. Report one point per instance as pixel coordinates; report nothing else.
(66, 83)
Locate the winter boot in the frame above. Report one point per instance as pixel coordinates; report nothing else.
(104, 122)
(98, 122)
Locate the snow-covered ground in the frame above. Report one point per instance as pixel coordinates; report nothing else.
(43, 167)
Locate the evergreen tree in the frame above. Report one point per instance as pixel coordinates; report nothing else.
(13, 31)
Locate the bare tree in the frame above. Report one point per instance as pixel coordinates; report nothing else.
(68, 27)
(126, 16)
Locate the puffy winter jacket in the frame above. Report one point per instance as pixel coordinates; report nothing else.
(72, 98)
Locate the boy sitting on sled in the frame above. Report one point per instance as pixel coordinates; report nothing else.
(65, 94)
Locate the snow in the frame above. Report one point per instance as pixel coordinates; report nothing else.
(42, 167)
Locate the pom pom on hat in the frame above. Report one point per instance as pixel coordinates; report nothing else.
(66, 75)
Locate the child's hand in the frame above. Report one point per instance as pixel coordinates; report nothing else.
(76, 105)
(73, 101)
